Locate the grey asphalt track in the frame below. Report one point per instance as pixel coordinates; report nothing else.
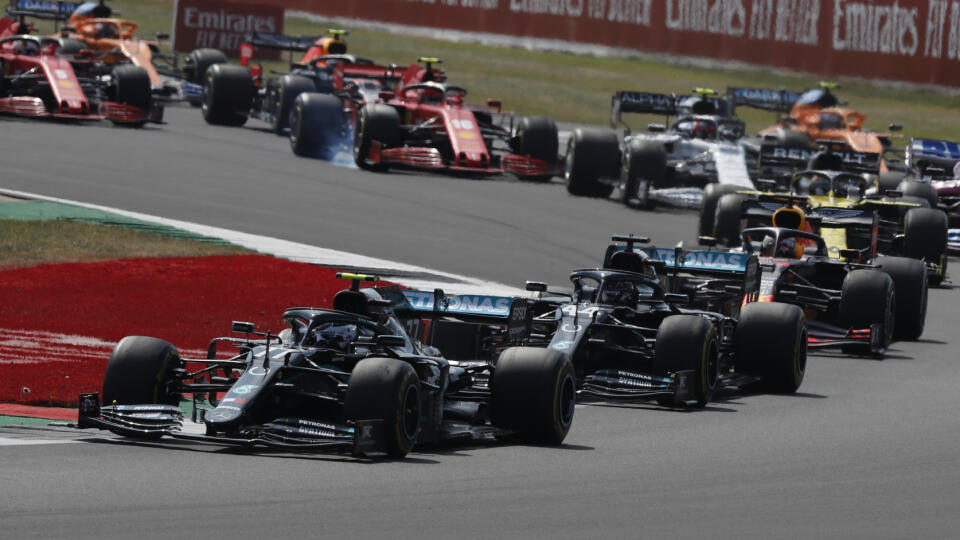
(868, 448)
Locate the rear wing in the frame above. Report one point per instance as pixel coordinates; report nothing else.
(42, 9)
(718, 262)
(763, 98)
(280, 42)
(934, 159)
(778, 161)
(625, 101)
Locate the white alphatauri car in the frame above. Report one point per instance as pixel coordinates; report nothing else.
(667, 165)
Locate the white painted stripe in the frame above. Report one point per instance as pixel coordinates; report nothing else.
(8, 441)
(295, 251)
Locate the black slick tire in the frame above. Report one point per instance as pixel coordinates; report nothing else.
(200, 60)
(689, 343)
(727, 221)
(288, 88)
(377, 122)
(592, 155)
(910, 285)
(644, 167)
(771, 341)
(536, 137)
(792, 138)
(386, 389)
(316, 125)
(534, 393)
(227, 95)
(922, 190)
(867, 297)
(138, 371)
(888, 181)
(925, 237)
(69, 47)
(131, 86)
(708, 207)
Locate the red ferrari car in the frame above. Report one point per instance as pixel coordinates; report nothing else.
(426, 124)
(37, 82)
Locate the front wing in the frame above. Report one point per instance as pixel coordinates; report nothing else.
(432, 159)
(152, 421)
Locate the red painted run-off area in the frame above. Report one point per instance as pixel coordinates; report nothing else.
(58, 322)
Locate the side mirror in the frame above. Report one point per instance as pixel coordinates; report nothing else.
(708, 241)
(536, 286)
(895, 127)
(245, 327)
(389, 340)
(894, 193)
(674, 298)
(495, 103)
(386, 95)
(656, 128)
(162, 36)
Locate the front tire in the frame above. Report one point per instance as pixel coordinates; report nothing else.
(534, 393)
(317, 125)
(592, 154)
(727, 223)
(645, 166)
(708, 207)
(131, 86)
(537, 138)
(922, 190)
(389, 390)
(689, 343)
(867, 297)
(379, 123)
(771, 341)
(139, 371)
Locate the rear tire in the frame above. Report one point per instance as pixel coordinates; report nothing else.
(771, 341)
(70, 47)
(289, 87)
(200, 62)
(138, 371)
(689, 343)
(537, 138)
(910, 285)
(708, 207)
(792, 138)
(317, 125)
(534, 392)
(868, 297)
(379, 123)
(922, 190)
(227, 95)
(727, 224)
(592, 154)
(386, 389)
(925, 237)
(644, 167)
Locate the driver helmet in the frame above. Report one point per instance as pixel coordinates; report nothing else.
(698, 129)
(766, 247)
(26, 47)
(621, 293)
(432, 96)
(335, 335)
(105, 31)
(789, 248)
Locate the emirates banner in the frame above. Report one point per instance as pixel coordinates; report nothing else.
(220, 24)
(908, 40)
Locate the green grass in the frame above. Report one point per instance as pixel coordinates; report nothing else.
(29, 243)
(577, 88)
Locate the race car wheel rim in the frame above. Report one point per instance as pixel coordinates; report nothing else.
(411, 412)
(567, 401)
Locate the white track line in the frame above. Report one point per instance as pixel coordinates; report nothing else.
(295, 251)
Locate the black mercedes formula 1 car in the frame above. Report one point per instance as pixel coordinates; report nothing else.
(348, 379)
(629, 339)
